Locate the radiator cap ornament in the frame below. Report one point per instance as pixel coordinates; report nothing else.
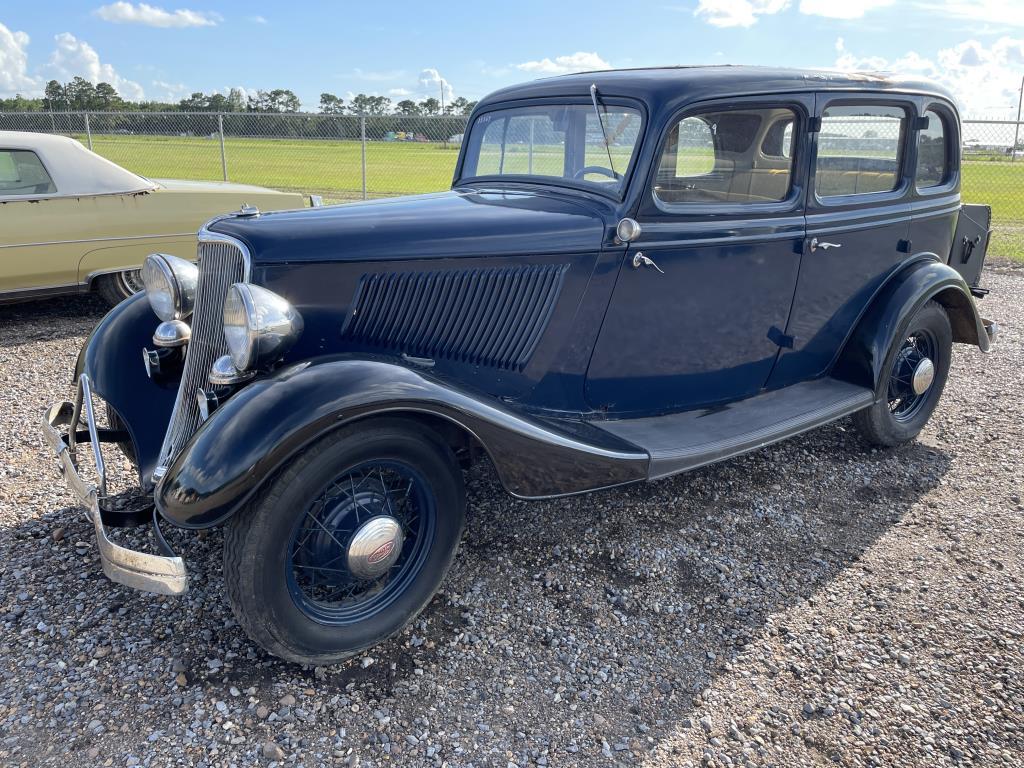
(248, 211)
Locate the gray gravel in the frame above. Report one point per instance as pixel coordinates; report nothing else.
(813, 603)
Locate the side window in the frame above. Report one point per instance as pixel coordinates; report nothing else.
(859, 149)
(932, 153)
(719, 157)
(22, 173)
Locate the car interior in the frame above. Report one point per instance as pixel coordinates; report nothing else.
(22, 173)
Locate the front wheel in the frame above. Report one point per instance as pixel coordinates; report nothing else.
(348, 544)
(118, 286)
(918, 367)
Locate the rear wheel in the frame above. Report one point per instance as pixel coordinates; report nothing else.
(918, 368)
(118, 286)
(349, 543)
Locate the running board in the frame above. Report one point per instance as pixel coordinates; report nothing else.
(691, 439)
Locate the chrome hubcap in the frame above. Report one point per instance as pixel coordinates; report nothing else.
(375, 547)
(924, 375)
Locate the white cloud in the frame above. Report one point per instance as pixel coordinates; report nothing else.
(984, 78)
(400, 93)
(1003, 13)
(14, 76)
(432, 84)
(258, 19)
(841, 9)
(74, 57)
(581, 61)
(169, 91)
(737, 13)
(152, 16)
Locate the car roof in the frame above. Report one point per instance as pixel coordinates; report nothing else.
(694, 83)
(75, 170)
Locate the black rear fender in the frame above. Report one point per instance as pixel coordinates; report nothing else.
(260, 428)
(864, 359)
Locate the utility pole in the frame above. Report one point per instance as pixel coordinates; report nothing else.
(1016, 128)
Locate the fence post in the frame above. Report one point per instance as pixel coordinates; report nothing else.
(362, 141)
(223, 155)
(88, 131)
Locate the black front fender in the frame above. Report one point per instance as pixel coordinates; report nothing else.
(112, 358)
(256, 431)
(864, 359)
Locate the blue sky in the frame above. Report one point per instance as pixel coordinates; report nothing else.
(166, 49)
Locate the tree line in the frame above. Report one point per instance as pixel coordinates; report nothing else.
(80, 95)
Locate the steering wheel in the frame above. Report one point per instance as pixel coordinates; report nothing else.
(597, 169)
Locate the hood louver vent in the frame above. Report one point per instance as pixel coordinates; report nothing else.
(490, 317)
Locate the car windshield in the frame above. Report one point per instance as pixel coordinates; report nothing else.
(554, 142)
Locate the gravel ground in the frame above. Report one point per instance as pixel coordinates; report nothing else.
(814, 603)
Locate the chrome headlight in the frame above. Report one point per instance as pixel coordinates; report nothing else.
(170, 285)
(259, 326)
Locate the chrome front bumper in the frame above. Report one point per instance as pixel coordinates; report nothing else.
(139, 570)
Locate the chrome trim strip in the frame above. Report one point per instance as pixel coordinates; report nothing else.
(100, 272)
(99, 240)
(138, 570)
(206, 236)
(44, 290)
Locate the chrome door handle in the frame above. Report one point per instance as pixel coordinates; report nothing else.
(639, 260)
(816, 244)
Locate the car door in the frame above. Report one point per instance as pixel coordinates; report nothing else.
(30, 214)
(858, 218)
(703, 294)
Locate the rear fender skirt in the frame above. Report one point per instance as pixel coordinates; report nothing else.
(863, 360)
(112, 356)
(261, 427)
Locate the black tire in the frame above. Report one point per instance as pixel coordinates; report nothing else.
(118, 286)
(260, 541)
(893, 420)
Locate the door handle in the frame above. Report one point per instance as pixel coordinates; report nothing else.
(639, 260)
(816, 244)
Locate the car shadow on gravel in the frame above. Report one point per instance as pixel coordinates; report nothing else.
(59, 317)
(593, 623)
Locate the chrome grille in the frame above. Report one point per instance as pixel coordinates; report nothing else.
(221, 263)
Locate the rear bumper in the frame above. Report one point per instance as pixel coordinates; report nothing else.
(992, 330)
(164, 575)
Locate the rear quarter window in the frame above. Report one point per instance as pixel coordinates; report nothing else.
(933, 152)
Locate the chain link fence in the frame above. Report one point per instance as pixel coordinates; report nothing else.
(351, 157)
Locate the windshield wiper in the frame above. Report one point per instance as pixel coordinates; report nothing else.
(604, 133)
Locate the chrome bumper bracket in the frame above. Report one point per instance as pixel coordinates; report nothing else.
(163, 575)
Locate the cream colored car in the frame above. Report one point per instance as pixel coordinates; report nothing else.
(72, 221)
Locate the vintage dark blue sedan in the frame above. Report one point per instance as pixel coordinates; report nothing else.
(635, 273)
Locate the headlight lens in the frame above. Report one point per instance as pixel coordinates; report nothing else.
(170, 285)
(259, 326)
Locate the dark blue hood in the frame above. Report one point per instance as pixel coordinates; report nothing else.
(447, 224)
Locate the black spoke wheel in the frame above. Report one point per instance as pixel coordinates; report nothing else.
(347, 544)
(333, 583)
(917, 367)
(919, 350)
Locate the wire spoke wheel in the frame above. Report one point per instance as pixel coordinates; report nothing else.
(130, 281)
(360, 542)
(910, 377)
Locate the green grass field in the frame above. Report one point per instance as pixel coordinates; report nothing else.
(334, 169)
